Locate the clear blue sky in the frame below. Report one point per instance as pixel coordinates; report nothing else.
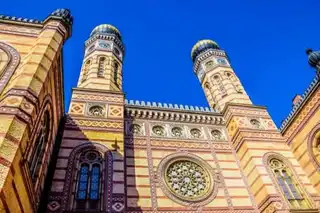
(266, 41)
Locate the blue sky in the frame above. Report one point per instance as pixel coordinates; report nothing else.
(265, 40)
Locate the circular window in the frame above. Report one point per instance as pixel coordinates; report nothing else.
(216, 134)
(96, 111)
(255, 123)
(176, 131)
(135, 129)
(91, 156)
(158, 130)
(187, 179)
(196, 133)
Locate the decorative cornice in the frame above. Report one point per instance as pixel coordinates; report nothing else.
(20, 20)
(206, 55)
(305, 97)
(173, 112)
(106, 37)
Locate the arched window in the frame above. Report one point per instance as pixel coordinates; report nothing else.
(288, 184)
(88, 187)
(37, 155)
(220, 85)
(85, 71)
(235, 82)
(101, 67)
(115, 73)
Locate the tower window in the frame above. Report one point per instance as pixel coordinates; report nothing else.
(39, 148)
(88, 189)
(85, 71)
(101, 67)
(115, 73)
(220, 85)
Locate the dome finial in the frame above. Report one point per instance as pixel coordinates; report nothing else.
(106, 29)
(309, 51)
(202, 46)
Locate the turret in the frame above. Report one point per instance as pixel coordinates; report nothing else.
(216, 76)
(102, 64)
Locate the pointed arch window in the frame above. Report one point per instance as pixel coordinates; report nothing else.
(115, 73)
(88, 187)
(39, 148)
(288, 184)
(85, 70)
(101, 67)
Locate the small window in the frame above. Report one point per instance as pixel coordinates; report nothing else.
(101, 67)
(115, 73)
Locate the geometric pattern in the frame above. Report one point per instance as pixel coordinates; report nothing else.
(108, 124)
(53, 206)
(118, 207)
(115, 111)
(77, 108)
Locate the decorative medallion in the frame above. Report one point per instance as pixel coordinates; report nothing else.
(255, 123)
(158, 130)
(135, 129)
(216, 134)
(195, 133)
(209, 64)
(187, 179)
(96, 110)
(222, 61)
(176, 132)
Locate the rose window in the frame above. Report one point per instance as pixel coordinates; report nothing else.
(96, 111)
(158, 130)
(196, 133)
(176, 131)
(187, 180)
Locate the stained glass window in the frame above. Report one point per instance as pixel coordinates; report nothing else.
(83, 182)
(39, 147)
(288, 185)
(89, 181)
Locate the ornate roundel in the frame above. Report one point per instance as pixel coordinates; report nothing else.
(216, 134)
(187, 179)
(135, 129)
(176, 131)
(195, 133)
(158, 130)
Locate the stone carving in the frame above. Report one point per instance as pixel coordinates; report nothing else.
(96, 110)
(195, 133)
(158, 130)
(255, 123)
(216, 134)
(176, 132)
(135, 129)
(187, 179)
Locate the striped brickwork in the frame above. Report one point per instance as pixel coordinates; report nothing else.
(252, 144)
(30, 84)
(302, 135)
(104, 134)
(144, 153)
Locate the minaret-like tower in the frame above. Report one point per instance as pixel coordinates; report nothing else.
(102, 63)
(216, 75)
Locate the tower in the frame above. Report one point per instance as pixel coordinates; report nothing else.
(263, 153)
(102, 63)
(216, 75)
(92, 148)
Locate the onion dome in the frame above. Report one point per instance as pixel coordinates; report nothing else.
(106, 29)
(201, 46)
(313, 58)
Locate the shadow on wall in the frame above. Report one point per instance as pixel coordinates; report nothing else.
(114, 201)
